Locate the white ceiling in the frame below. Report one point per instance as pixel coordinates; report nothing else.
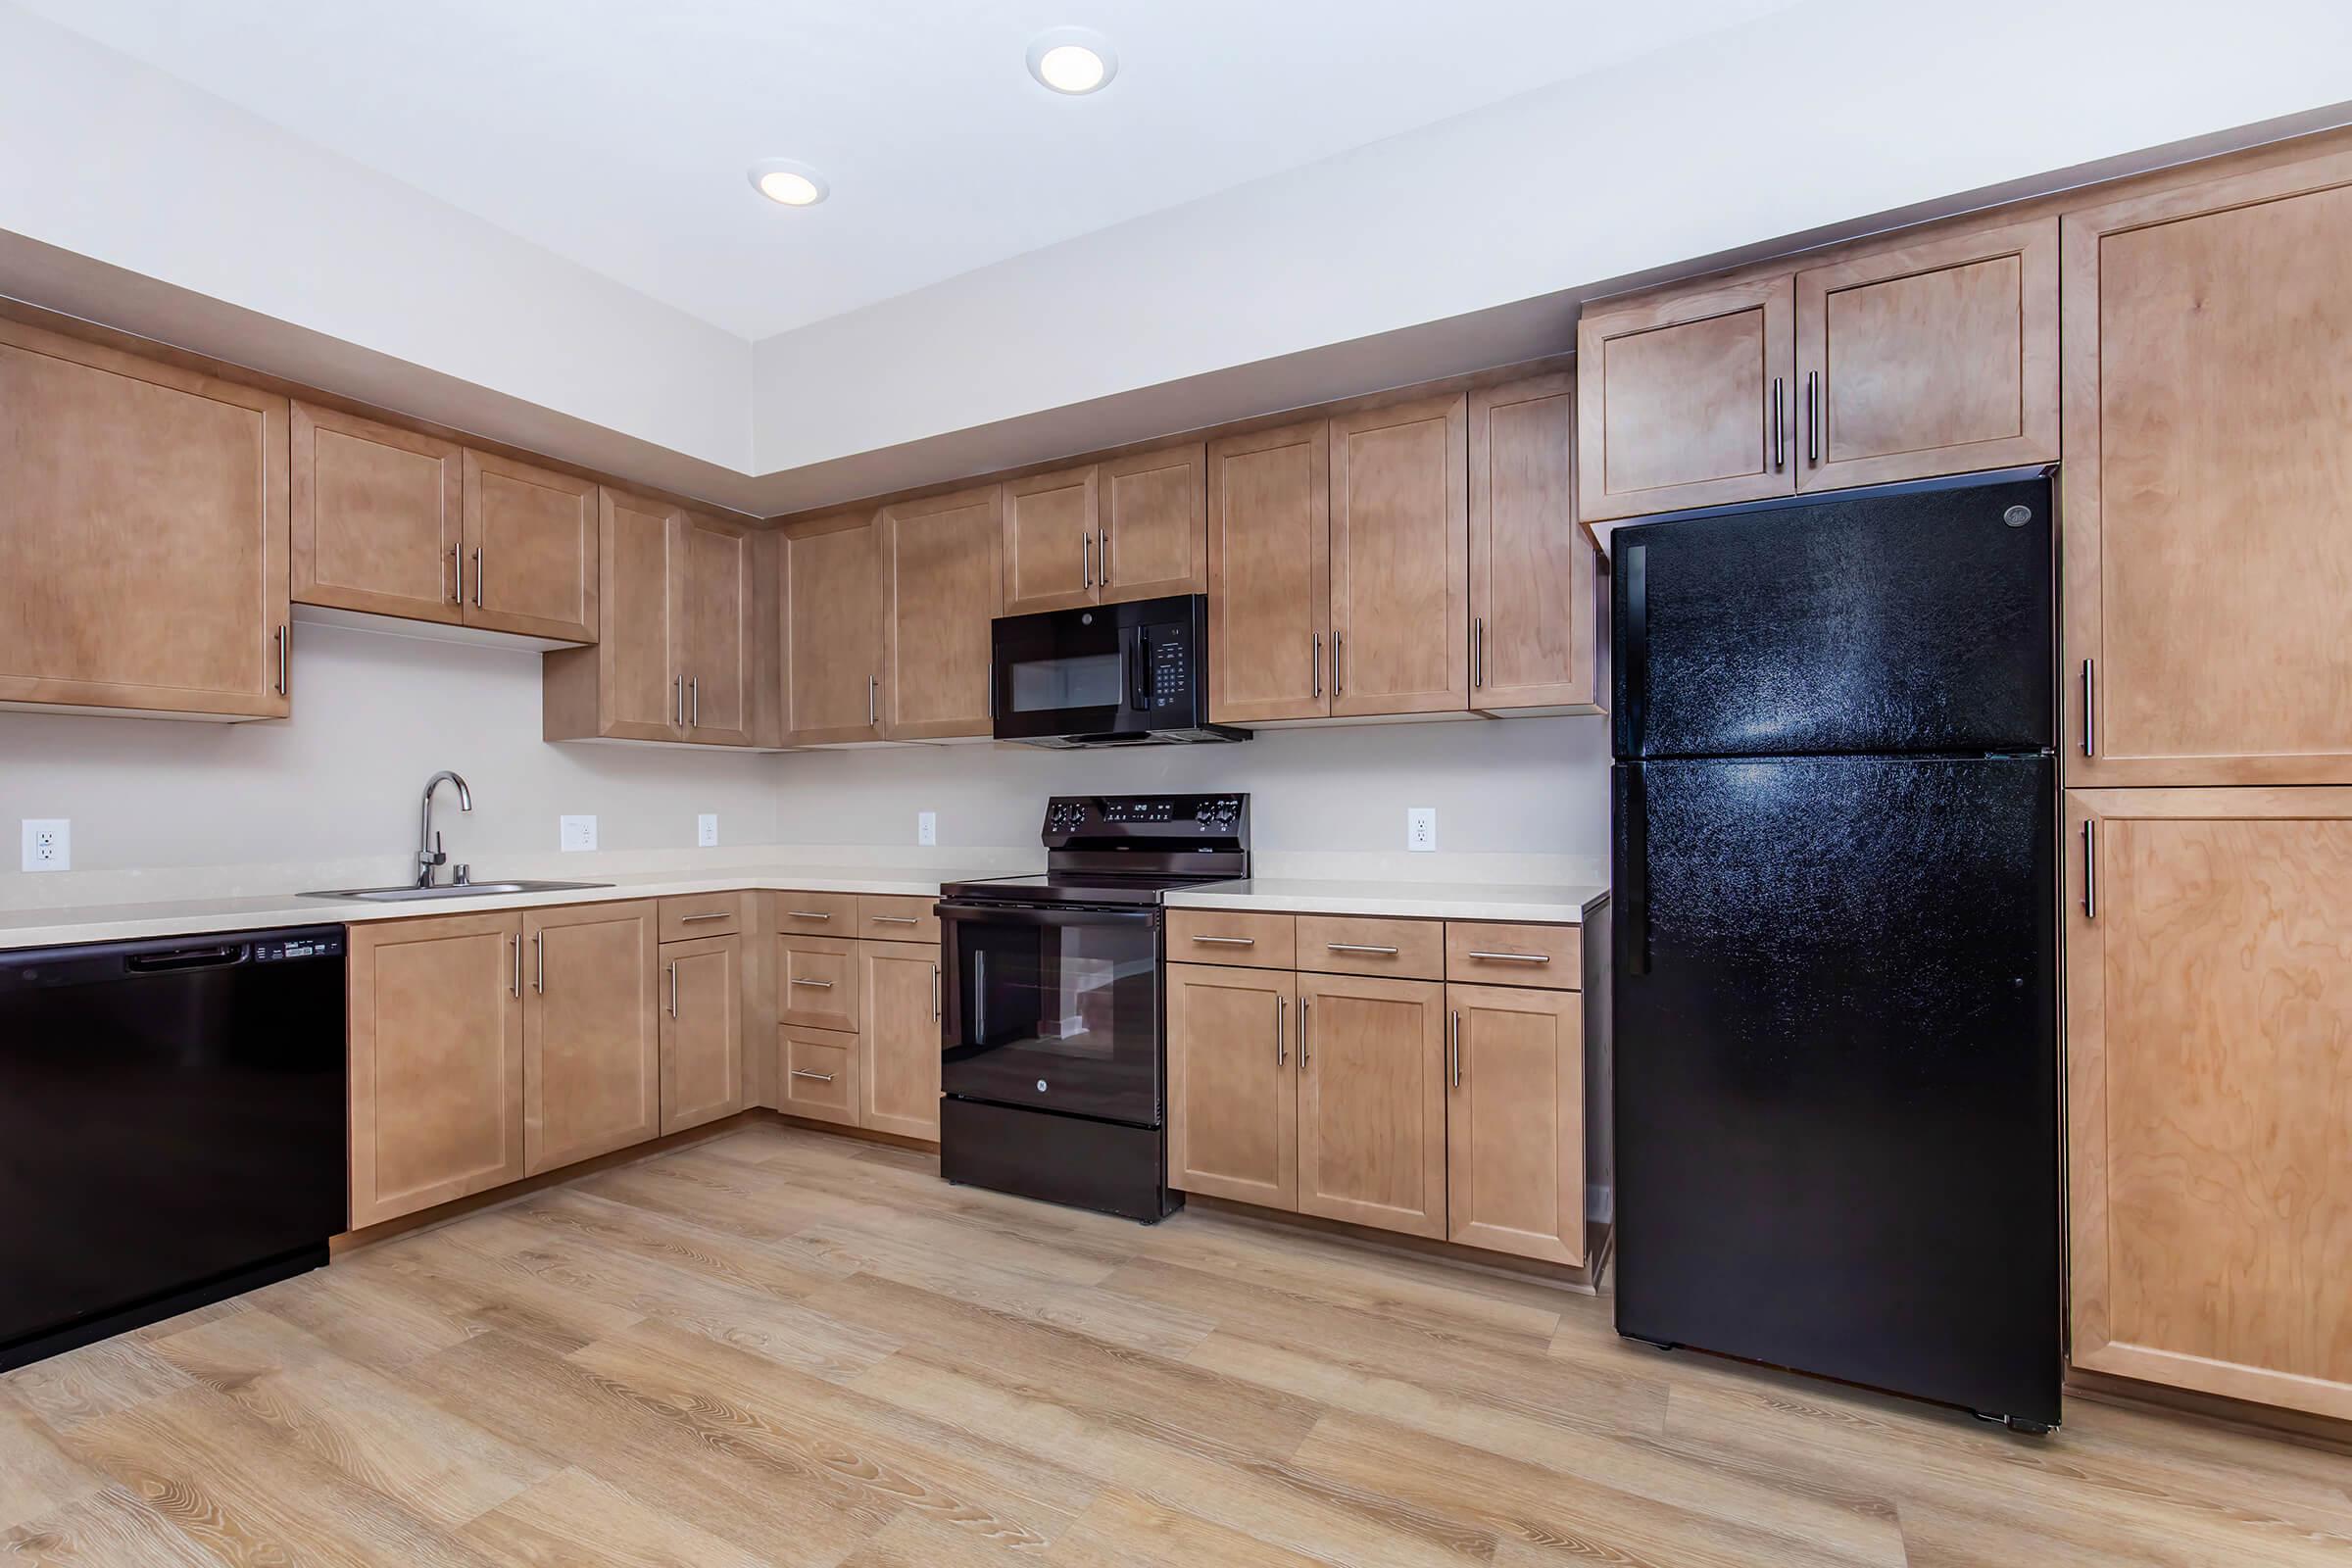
(615, 132)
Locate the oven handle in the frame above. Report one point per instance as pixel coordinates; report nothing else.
(1021, 914)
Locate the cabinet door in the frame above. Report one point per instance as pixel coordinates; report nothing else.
(1154, 538)
(531, 543)
(1372, 1102)
(701, 1032)
(638, 695)
(1400, 559)
(1233, 1092)
(1685, 401)
(1940, 357)
(817, 983)
(2209, 1065)
(591, 1041)
(1535, 595)
(713, 614)
(2208, 503)
(436, 1062)
(898, 1078)
(1269, 573)
(943, 583)
(832, 638)
(817, 1075)
(143, 533)
(380, 517)
(1051, 535)
(1515, 1122)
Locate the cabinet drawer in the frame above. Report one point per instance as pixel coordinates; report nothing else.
(895, 918)
(1550, 958)
(1404, 950)
(817, 914)
(708, 914)
(816, 1074)
(1220, 936)
(817, 983)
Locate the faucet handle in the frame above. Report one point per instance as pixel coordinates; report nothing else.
(460, 876)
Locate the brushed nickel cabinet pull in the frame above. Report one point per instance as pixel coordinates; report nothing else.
(1314, 662)
(1478, 652)
(515, 974)
(1104, 566)
(673, 990)
(2090, 729)
(1230, 941)
(458, 562)
(677, 702)
(821, 1077)
(715, 914)
(1282, 1007)
(873, 698)
(1086, 558)
(477, 576)
(813, 984)
(694, 702)
(539, 962)
(1361, 947)
(1307, 1014)
(282, 662)
(1778, 446)
(1453, 1049)
(895, 919)
(809, 914)
(1812, 420)
(935, 1009)
(1514, 957)
(2090, 868)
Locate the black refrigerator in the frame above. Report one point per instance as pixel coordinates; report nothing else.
(1834, 836)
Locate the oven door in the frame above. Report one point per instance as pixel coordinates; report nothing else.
(1052, 1010)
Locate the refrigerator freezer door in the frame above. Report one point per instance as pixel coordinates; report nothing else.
(1837, 1095)
(1913, 618)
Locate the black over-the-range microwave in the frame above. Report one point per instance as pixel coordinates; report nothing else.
(1132, 674)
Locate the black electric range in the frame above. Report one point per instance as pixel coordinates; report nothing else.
(1054, 1044)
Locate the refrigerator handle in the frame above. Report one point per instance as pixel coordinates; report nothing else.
(1632, 811)
(1636, 567)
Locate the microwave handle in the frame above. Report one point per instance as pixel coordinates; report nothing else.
(1139, 683)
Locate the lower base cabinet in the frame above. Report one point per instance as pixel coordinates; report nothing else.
(1233, 1106)
(1372, 1102)
(898, 1081)
(816, 1074)
(858, 1037)
(1515, 1122)
(701, 1032)
(592, 1048)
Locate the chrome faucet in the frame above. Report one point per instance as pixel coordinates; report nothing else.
(428, 842)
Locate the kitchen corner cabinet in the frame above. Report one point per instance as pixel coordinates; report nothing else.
(1233, 1108)
(2207, 501)
(143, 534)
(2209, 1061)
(1372, 1102)
(701, 1031)
(832, 655)
(1399, 560)
(899, 1072)
(1269, 573)
(941, 585)
(591, 1035)
(1536, 592)
(1515, 1120)
(437, 1045)
(531, 550)
(1102, 533)
(379, 517)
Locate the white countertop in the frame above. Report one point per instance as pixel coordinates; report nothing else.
(1536, 904)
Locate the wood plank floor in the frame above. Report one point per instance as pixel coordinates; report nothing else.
(783, 1347)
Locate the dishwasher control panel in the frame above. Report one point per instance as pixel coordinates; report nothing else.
(311, 945)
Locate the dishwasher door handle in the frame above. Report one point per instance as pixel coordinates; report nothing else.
(180, 958)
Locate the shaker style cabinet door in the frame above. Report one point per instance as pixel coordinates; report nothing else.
(1515, 1122)
(379, 517)
(832, 631)
(1940, 357)
(2209, 1089)
(715, 615)
(1684, 400)
(143, 534)
(2206, 496)
(941, 584)
(701, 1031)
(1052, 532)
(898, 1078)
(1154, 511)
(636, 680)
(1232, 1100)
(531, 548)
(1269, 574)
(1399, 560)
(591, 1079)
(1535, 594)
(1372, 1102)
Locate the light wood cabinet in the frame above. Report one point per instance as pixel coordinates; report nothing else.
(1938, 356)
(1372, 945)
(832, 632)
(1399, 559)
(532, 549)
(2209, 1061)
(719, 631)
(2208, 552)
(379, 517)
(702, 1076)
(436, 1047)
(1515, 1122)
(1154, 516)
(1536, 593)
(898, 1079)
(1233, 1103)
(1683, 400)
(591, 1077)
(1052, 526)
(817, 983)
(1231, 937)
(1269, 574)
(143, 534)
(941, 584)
(1372, 1102)
(817, 1075)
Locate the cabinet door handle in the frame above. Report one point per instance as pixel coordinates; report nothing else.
(677, 702)
(1812, 420)
(539, 962)
(895, 919)
(809, 914)
(673, 989)
(821, 1077)
(1314, 662)
(477, 576)
(2090, 868)
(1230, 941)
(694, 702)
(284, 637)
(1282, 1007)
(1307, 1014)
(1103, 566)
(1478, 652)
(813, 984)
(2090, 729)
(873, 698)
(515, 959)
(1361, 947)
(1086, 555)
(1454, 1048)
(935, 993)
(1779, 446)
(1514, 957)
(458, 562)
(1338, 663)
(715, 914)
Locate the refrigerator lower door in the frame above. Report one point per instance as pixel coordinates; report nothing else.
(1836, 1095)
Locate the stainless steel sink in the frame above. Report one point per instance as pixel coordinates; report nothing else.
(458, 889)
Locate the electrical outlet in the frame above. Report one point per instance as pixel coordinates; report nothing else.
(576, 832)
(926, 828)
(705, 830)
(48, 844)
(1420, 827)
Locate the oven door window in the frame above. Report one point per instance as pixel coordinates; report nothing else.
(1057, 1009)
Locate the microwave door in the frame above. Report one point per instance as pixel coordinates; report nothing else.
(1063, 672)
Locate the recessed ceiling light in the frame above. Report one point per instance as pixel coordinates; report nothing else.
(1073, 61)
(793, 184)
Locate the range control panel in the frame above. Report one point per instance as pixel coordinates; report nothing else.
(1189, 819)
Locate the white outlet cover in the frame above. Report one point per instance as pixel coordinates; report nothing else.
(48, 844)
(1421, 827)
(576, 832)
(705, 830)
(926, 828)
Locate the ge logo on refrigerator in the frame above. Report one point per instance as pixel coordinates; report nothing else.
(1041, 1086)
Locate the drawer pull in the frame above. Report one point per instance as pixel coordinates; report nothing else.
(719, 914)
(895, 919)
(809, 914)
(821, 1077)
(1514, 957)
(1230, 941)
(1361, 947)
(814, 985)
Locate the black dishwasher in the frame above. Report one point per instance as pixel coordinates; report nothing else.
(171, 1127)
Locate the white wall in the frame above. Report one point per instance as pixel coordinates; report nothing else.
(373, 717)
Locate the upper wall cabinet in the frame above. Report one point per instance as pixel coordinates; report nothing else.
(531, 546)
(1535, 590)
(1131, 527)
(143, 534)
(379, 517)
(1936, 357)
(832, 644)
(1399, 560)
(2207, 496)
(941, 583)
(1269, 573)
